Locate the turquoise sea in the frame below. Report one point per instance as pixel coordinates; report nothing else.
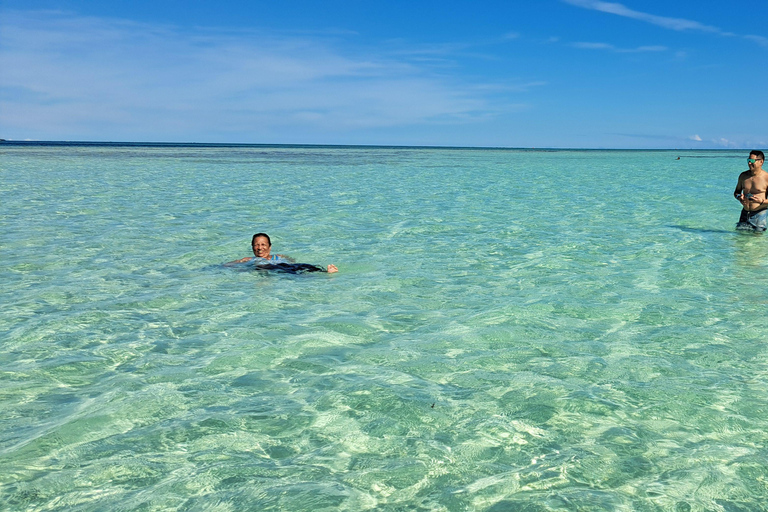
(510, 330)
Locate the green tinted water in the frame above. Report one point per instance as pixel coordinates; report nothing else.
(509, 330)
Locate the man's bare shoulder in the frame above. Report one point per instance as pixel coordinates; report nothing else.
(745, 175)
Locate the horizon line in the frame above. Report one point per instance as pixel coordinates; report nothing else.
(23, 142)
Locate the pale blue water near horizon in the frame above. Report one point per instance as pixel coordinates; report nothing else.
(510, 330)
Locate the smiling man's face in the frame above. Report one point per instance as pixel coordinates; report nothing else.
(261, 247)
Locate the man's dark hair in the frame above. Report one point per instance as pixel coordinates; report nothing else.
(257, 235)
(759, 154)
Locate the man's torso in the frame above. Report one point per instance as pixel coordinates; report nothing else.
(756, 185)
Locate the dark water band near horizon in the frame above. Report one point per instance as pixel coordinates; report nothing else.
(538, 330)
(688, 153)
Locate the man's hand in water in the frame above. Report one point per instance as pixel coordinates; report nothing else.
(332, 269)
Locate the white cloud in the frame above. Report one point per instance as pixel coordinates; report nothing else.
(678, 24)
(593, 46)
(762, 41)
(662, 21)
(120, 78)
(610, 47)
(721, 142)
(725, 143)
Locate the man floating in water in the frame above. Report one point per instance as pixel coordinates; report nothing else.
(751, 193)
(263, 259)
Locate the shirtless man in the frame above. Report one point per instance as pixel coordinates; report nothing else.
(751, 193)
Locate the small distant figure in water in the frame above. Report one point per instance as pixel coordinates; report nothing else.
(751, 193)
(262, 247)
(678, 158)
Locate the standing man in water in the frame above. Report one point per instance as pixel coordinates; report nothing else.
(751, 193)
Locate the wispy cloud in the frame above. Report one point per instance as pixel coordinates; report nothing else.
(762, 41)
(72, 74)
(612, 48)
(725, 143)
(662, 21)
(693, 141)
(678, 24)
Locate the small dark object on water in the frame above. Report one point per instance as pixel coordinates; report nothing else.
(433, 405)
(290, 268)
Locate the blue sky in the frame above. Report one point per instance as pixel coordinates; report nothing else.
(548, 73)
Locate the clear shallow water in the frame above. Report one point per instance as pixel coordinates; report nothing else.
(509, 330)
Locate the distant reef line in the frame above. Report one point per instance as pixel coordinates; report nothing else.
(11, 142)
